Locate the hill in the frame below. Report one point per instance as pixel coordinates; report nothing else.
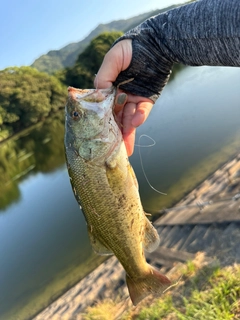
(56, 60)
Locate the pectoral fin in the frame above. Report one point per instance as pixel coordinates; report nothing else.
(132, 173)
(151, 239)
(97, 246)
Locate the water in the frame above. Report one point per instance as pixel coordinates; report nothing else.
(195, 125)
(44, 248)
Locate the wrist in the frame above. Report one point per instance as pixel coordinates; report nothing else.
(150, 73)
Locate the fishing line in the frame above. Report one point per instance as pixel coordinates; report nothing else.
(96, 81)
(140, 156)
(173, 285)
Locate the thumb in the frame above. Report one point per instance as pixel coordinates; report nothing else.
(116, 60)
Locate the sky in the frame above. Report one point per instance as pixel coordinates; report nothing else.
(30, 28)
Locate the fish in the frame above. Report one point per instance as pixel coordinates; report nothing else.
(106, 188)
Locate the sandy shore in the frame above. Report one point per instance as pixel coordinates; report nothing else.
(215, 201)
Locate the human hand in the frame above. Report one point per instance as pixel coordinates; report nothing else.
(131, 110)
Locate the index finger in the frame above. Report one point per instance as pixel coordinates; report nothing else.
(115, 61)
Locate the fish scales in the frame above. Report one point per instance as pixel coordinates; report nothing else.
(106, 188)
(109, 223)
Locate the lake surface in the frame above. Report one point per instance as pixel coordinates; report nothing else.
(44, 247)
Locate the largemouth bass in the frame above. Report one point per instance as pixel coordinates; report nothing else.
(106, 189)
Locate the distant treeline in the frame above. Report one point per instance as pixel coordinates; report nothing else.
(82, 74)
(28, 96)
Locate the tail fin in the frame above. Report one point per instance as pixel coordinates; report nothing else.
(153, 283)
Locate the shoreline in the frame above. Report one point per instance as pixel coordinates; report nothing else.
(159, 214)
(35, 125)
(204, 205)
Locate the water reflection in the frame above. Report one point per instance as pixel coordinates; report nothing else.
(44, 247)
(38, 150)
(195, 125)
(40, 237)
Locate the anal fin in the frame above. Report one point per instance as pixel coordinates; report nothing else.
(151, 238)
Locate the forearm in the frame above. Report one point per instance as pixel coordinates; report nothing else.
(206, 32)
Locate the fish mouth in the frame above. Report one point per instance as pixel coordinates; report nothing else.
(89, 95)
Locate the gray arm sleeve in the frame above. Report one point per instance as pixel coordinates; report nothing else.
(205, 32)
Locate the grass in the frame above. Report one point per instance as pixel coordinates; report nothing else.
(204, 292)
(105, 310)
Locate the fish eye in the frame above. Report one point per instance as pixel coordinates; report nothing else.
(76, 115)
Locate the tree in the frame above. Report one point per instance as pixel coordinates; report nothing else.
(81, 75)
(26, 97)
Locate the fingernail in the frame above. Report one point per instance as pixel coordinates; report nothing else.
(122, 97)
